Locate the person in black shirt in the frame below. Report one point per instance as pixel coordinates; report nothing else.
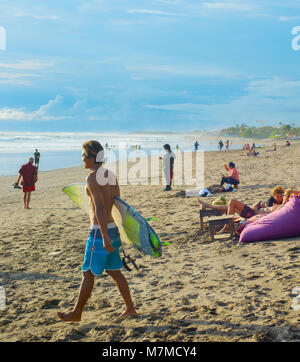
(275, 199)
(37, 156)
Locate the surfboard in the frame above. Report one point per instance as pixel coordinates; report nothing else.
(133, 227)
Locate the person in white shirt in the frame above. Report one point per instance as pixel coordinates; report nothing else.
(168, 166)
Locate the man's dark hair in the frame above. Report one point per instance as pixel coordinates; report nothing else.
(92, 148)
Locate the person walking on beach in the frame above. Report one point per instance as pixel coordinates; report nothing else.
(227, 145)
(102, 247)
(28, 173)
(196, 145)
(168, 166)
(37, 156)
(221, 144)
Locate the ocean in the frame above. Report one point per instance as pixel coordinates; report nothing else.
(61, 149)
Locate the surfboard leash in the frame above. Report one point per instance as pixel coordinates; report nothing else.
(130, 259)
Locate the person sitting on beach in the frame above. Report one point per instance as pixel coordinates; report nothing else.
(233, 176)
(288, 194)
(28, 172)
(275, 199)
(274, 148)
(252, 152)
(102, 247)
(287, 144)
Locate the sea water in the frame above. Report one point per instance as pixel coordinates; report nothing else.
(63, 149)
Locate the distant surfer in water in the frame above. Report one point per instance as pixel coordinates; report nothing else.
(102, 247)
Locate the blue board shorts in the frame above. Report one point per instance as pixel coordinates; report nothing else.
(96, 258)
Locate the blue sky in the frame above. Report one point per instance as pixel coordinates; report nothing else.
(116, 65)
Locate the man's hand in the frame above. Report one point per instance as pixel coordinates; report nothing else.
(107, 245)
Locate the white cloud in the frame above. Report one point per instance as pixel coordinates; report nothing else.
(189, 70)
(94, 5)
(26, 65)
(153, 12)
(36, 16)
(235, 6)
(16, 78)
(289, 18)
(44, 113)
(273, 99)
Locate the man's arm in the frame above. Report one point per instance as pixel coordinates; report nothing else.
(100, 211)
(117, 188)
(19, 178)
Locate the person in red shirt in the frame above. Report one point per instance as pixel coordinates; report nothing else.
(233, 175)
(28, 172)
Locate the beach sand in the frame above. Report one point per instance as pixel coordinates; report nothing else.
(197, 291)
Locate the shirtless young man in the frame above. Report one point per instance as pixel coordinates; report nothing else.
(102, 247)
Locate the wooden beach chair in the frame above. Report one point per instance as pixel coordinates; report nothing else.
(220, 221)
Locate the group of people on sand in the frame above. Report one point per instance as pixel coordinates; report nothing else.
(279, 197)
(221, 145)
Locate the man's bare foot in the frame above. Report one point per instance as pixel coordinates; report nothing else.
(69, 317)
(132, 312)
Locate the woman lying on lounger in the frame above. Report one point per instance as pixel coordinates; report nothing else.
(236, 206)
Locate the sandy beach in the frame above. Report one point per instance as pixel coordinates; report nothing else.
(197, 291)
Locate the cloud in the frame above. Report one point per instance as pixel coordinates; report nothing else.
(26, 65)
(232, 6)
(46, 112)
(94, 5)
(273, 99)
(153, 12)
(289, 18)
(36, 16)
(189, 70)
(15, 78)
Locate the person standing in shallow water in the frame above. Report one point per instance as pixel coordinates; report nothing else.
(37, 156)
(102, 247)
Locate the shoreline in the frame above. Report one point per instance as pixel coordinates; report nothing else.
(267, 142)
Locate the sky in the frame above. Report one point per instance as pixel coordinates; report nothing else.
(164, 65)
